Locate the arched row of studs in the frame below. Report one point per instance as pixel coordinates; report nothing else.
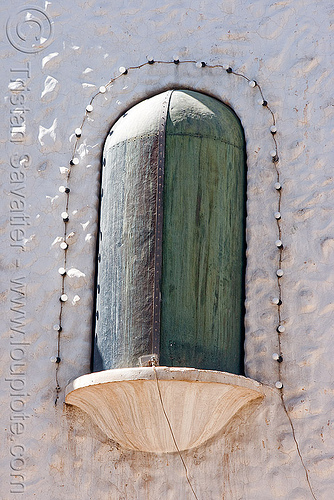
(274, 155)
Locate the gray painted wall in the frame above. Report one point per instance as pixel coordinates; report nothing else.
(57, 452)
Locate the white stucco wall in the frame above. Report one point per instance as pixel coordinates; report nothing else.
(286, 47)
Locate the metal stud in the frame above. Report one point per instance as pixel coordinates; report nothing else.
(55, 359)
(277, 357)
(274, 155)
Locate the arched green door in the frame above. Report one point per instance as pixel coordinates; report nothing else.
(170, 277)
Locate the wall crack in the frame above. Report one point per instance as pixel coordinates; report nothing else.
(297, 448)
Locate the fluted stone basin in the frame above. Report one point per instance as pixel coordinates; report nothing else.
(131, 405)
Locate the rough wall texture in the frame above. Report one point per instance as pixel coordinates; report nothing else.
(55, 452)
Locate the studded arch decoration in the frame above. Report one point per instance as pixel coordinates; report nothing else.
(273, 157)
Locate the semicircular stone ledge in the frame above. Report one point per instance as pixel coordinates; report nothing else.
(131, 405)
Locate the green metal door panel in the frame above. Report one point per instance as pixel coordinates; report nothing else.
(126, 269)
(199, 155)
(203, 243)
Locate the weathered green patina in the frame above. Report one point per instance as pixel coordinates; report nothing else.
(203, 238)
(201, 285)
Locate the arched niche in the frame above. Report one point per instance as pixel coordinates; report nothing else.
(170, 277)
(171, 248)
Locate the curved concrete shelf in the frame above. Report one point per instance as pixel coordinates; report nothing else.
(126, 405)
